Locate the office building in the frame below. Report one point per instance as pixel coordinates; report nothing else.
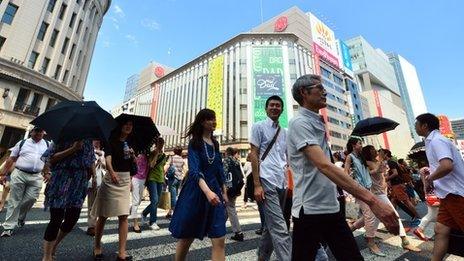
(46, 47)
(410, 90)
(377, 80)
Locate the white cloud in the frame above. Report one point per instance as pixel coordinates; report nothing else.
(115, 22)
(150, 24)
(131, 39)
(106, 44)
(118, 10)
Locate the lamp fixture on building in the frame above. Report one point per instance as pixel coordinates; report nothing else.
(5, 93)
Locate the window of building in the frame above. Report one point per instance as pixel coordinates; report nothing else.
(335, 134)
(50, 103)
(42, 31)
(334, 121)
(20, 103)
(85, 34)
(2, 41)
(45, 64)
(71, 54)
(66, 75)
(338, 80)
(62, 11)
(9, 14)
(36, 100)
(79, 58)
(79, 26)
(33, 60)
(326, 73)
(73, 20)
(57, 72)
(51, 5)
(54, 37)
(65, 45)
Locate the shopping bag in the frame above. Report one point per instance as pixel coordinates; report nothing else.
(165, 200)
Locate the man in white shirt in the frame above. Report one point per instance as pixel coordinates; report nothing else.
(447, 179)
(268, 161)
(26, 179)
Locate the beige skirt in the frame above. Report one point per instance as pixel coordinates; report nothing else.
(113, 199)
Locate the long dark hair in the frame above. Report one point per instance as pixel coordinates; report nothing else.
(351, 142)
(195, 130)
(366, 153)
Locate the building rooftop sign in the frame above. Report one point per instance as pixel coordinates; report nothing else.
(281, 24)
(322, 35)
(159, 71)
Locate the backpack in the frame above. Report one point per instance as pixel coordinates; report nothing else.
(22, 143)
(236, 179)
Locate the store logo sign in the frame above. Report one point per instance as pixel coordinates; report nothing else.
(268, 84)
(159, 71)
(281, 24)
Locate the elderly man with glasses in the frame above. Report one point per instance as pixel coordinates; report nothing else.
(316, 210)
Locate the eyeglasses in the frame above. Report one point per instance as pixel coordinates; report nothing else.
(317, 86)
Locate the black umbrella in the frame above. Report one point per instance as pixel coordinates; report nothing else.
(373, 126)
(417, 151)
(75, 120)
(144, 131)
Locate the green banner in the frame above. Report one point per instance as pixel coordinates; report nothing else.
(268, 80)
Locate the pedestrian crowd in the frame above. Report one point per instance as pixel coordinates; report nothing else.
(300, 186)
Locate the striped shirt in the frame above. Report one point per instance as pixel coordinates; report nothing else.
(178, 163)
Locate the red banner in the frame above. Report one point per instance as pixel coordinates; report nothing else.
(445, 125)
(380, 113)
(325, 55)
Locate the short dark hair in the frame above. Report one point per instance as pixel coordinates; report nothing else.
(178, 151)
(230, 151)
(401, 161)
(433, 123)
(275, 98)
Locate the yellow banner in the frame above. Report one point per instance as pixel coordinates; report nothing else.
(214, 100)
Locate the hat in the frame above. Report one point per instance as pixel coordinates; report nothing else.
(37, 128)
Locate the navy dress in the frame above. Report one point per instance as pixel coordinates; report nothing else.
(194, 216)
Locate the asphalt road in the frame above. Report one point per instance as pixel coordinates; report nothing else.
(26, 242)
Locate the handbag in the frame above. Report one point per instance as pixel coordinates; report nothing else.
(165, 200)
(133, 168)
(432, 200)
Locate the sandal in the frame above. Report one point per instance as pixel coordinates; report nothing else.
(98, 257)
(136, 230)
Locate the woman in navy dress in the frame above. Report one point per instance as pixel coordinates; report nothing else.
(200, 209)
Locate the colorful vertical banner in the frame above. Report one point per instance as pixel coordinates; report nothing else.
(380, 113)
(268, 80)
(214, 98)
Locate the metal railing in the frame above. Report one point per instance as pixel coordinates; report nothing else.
(26, 109)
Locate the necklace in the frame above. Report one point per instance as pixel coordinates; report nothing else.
(210, 159)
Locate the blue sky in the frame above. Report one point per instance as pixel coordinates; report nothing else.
(430, 34)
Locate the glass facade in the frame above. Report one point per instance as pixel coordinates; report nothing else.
(131, 87)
